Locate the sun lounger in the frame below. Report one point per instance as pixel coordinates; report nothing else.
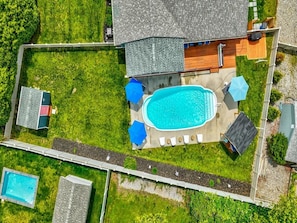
(173, 141)
(162, 141)
(186, 139)
(199, 138)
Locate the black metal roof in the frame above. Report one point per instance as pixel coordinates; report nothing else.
(241, 133)
(193, 20)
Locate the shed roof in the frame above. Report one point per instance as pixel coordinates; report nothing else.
(72, 200)
(192, 20)
(154, 55)
(29, 107)
(290, 113)
(241, 133)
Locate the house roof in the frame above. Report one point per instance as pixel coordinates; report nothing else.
(154, 55)
(192, 20)
(287, 126)
(29, 107)
(72, 200)
(241, 133)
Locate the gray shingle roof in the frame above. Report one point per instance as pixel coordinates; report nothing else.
(72, 200)
(291, 155)
(241, 133)
(193, 20)
(29, 107)
(154, 55)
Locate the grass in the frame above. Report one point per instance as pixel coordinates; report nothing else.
(49, 170)
(266, 8)
(87, 89)
(128, 205)
(71, 21)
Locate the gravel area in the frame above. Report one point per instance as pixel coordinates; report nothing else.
(165, 170)
(162, 190)
(286, 19)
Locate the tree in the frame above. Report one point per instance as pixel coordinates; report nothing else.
(18, 22)
(277, 146)
(273, 113)
(284, 211)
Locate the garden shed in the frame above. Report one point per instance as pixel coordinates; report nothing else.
(73, 198)
(240, 134)
(34, 108)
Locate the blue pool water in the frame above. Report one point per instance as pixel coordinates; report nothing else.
(18, 187)
(180, 107)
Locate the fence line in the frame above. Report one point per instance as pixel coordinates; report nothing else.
(287, 46)
(258, 160)
(108, 166)
(105, 196)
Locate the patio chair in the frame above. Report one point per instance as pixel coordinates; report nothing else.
(199, 138)
(186, 139)
(173, 141)
(162, 141)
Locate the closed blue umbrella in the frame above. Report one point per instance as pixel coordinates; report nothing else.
(134, 91)
(238, 88)
(137, 132)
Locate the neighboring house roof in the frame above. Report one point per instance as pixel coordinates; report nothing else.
(154, 55)
(193, 20)
(72, 202)
(241, 133)
(288, 127)
(30, 103)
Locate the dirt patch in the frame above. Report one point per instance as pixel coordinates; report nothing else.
(148, 166)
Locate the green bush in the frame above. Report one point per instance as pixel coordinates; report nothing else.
(275, 96)
(130, 163)
(211, 183)
(154, 170)
(273, 113)
(280, 56)
(108, 18)
(277, 146)
(277, 76)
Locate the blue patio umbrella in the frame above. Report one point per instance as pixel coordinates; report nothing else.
(238, 88)
(137, 132)
(134, 91)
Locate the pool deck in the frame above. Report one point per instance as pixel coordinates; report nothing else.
(227, 109)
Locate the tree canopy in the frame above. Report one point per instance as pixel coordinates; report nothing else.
(18, 22)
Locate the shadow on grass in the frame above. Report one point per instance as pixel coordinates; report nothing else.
(232, 156)
(91, 205)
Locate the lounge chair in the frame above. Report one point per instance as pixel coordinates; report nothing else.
(199, 138)
(162, 141)
(186, 139)
(173, 141)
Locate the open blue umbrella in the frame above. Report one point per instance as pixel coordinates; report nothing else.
(134, 91)
(137, 132)
(238, 88)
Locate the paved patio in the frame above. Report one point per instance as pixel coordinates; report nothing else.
(211, 131)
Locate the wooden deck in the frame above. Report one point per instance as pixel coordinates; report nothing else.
(206, 56)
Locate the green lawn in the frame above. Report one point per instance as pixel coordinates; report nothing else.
(71, 21)
(49, 170)
(87, 89)
(266, 8)
(128, 205)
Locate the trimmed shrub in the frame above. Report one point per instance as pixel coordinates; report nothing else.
(277, 76)
(154, 170)
(130, 163)
(211, 183)
(279, 58)
(275, 96)
(277, 146)
(273, 113)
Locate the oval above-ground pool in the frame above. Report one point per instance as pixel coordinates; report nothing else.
(179, 107)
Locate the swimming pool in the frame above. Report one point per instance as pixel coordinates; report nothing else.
(18, 187)
(179, 107)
